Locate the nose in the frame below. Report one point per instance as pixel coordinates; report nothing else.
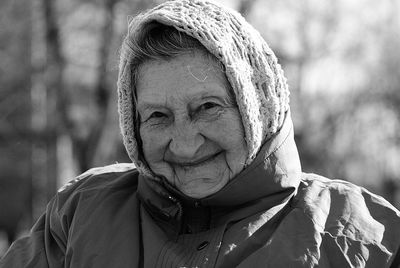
(185, 142)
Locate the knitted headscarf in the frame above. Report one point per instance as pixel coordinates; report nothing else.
(251, 68)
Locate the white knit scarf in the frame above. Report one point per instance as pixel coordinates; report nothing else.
(251, 67)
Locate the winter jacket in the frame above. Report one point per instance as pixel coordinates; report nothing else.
(269, 215)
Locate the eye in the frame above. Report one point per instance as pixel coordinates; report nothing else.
(157, 115)
(208, 105)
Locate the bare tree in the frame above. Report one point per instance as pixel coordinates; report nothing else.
(86, 149)
(57, 120)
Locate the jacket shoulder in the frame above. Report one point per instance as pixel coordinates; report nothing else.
(89, 178)
(99, 179)
(344, 200)
(314, 187)
(90, 198)
(349, 214)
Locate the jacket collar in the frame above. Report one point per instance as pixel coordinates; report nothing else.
(271, 179)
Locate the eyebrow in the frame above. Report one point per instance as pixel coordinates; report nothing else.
(149, 106)
(228, 99)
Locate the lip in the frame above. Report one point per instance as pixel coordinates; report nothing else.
(197, 162)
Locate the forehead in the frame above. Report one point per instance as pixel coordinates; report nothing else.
(187, 76)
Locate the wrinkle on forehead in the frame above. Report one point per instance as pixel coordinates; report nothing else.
(208, 70)
(203, 73)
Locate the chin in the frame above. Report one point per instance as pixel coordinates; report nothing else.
(202, 190)
(197, 195)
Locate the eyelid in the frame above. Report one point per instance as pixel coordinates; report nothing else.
(215, 100)
(147, 114)
(210, 102)
(203, 104)
(157, 112)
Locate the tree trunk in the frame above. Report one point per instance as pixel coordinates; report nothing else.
(48, 98)
(88, 149)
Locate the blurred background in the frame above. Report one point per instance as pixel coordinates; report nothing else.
(58, 72)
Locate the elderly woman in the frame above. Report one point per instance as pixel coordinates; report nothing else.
(205, 118)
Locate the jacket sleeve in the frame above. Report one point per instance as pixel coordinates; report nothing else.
(44, 247)
(396, 260)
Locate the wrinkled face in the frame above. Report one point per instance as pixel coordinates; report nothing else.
(190, 127)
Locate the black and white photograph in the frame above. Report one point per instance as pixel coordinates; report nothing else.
(199, 133)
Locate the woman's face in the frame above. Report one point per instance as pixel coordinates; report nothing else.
(190, 127)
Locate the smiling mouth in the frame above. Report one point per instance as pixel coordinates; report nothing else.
(198, 162)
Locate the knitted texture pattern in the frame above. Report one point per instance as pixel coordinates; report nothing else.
(251, 67)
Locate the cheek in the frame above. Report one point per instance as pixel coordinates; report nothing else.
(154, 145)
(236, 146)
(231, 139)
(228, 133)
(236, 151)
